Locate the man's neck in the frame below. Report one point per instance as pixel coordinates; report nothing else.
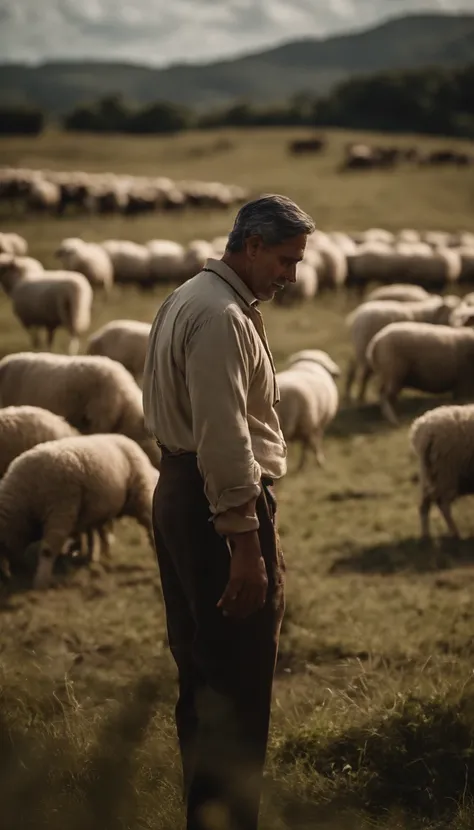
(234, 261)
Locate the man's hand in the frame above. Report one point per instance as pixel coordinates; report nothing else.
(246, 589)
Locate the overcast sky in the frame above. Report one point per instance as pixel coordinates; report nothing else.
(167, 31)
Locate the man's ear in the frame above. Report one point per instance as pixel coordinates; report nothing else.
(252, 244)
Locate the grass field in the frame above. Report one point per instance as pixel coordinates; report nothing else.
(373, 720)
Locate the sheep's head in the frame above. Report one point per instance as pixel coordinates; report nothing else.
(445, 309)
(10, 272)
(315, 356)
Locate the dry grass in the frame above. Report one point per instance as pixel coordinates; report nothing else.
(373, 723)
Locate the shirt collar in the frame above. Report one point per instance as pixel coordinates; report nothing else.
(229, 275)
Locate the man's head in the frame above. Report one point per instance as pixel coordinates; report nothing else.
(267, 242)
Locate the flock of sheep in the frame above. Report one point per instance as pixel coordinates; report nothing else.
(54, 193)
(75, 421)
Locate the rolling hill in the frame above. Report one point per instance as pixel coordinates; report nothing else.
(309, 65)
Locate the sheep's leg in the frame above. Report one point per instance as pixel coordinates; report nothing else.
(366, 374)
(73, 346)
(50, 338)
(351, 376)
(445, 510)
(387, 402)
(303, 456)
(316, 444)
(424, 510)
(104, 548)
(35, 337)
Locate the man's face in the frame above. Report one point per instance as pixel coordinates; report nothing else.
(270, 268)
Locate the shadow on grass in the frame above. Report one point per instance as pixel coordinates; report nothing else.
(367, 419)
(43, 786)
(419, 758)
(407, 555)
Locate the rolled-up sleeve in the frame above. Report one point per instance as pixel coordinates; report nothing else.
(219, 360)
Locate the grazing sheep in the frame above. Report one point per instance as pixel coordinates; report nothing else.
(122, 340)
(195, 257)
(86, 483)
(443, 441)
(332, 262)
(48, 300)
(22, 427)
(308, 400)
(93, 393)
(12, 243)
(434, 359)
(442, 267)
(89, 259)
(401, 292)
(166, 260)
(130, 261)
(367, 319)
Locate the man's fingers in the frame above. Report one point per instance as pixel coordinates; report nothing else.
(230, 594)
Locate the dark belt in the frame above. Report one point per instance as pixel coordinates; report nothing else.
(167, 453)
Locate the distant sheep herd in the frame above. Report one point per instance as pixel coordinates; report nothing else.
(58, 193)
(74, 422)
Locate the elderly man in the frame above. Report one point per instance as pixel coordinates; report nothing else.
(209, 394)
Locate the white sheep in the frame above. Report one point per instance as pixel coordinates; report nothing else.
(308, 400)
(370, 317)
(49, 300)
(22, 427)
(442, 267)
(332, 265)
(442, 440)
(89, 259)
(433, 359)
(130, 261)
(166, 260)
(195, 257)
(402, 292)
(122, 340)
(93, 393)
(12, 243)
(86, 483)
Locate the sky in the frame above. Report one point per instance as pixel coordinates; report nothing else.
(160, 32)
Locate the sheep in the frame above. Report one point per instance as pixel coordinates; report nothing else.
(86, 483)
(23, 264)
(93, 392)
(442, 440)
(130, 261)
(48, 300)
(408, 235)
(441, 267)
(89, 259)
(403, 293)
(122, 340)
(332, 262)
(12, 243)
(344, 242)
(434, 359)
(22, 427)
(219, 245)
(467, 264)
(195, 257)
(308, 400)
(166, 260)
(43, 195)
(367, 319)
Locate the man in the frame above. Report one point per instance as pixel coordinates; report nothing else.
(209, 393)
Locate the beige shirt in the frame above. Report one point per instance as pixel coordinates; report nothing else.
(209, 387)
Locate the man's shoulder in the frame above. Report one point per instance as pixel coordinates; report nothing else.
(207, 296)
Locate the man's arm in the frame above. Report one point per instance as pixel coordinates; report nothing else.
(219, 362)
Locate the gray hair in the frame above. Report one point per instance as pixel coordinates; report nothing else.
(272, 217)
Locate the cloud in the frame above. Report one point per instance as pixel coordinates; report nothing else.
(164, 31)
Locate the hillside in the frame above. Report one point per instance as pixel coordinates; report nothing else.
(308, 65)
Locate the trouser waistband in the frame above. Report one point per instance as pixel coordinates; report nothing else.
(167, 453)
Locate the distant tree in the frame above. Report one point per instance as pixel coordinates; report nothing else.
(19, 120)
(161, 117)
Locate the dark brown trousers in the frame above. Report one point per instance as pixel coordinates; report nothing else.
(225, 666)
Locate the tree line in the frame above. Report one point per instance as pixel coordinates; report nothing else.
(434, 101)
